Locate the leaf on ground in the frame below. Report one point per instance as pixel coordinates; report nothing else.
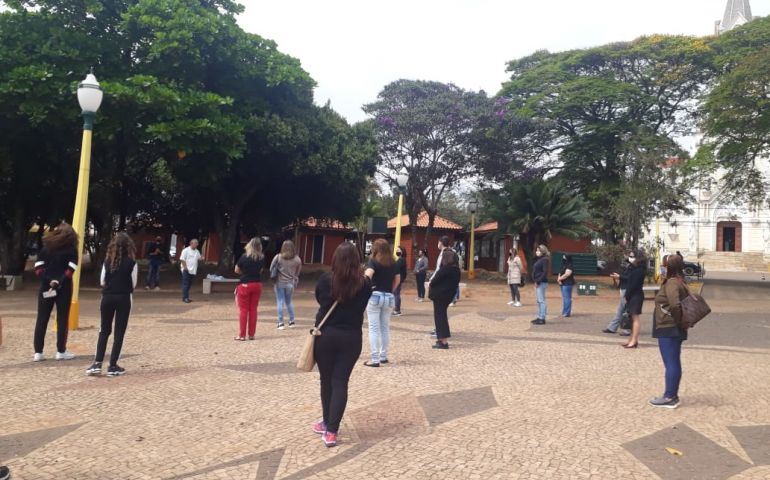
(674, 451)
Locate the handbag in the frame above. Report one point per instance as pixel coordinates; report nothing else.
(306, 360)
(694, 308)
(274, 268)
(625, 321)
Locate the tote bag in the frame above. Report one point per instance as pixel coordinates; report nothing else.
(694, 308)
(306, 360)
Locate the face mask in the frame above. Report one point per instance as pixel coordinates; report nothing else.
(631, 259)
(398, 254)
(564, 259)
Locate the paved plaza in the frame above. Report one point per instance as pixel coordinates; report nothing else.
(508, 400)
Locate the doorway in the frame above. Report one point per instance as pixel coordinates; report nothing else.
(318, 249)
(729, 237)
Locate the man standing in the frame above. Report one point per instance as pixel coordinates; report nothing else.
(155, 255)
(443, 244)
(189, 259)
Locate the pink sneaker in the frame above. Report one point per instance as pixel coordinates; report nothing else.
(330, 439)
(319, 428)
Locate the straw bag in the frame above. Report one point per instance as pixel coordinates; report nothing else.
(306, 360)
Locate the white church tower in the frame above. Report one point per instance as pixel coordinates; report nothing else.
(719, 234)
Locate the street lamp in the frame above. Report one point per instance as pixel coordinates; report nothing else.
(401, 180)
(473, 206)
(90, 98)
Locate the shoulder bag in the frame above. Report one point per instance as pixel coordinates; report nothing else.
(274, 268)
(306, 360)
(694, 308)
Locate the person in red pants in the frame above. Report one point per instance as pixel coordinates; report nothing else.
(249, 290)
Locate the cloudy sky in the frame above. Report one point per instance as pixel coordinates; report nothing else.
(352, 48)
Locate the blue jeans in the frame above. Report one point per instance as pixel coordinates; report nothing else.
(615, 323)
(153, 276)
(283, 294)
(671, 353)
(566, 299)
(540, 294)
(378, 311)
(187, 280)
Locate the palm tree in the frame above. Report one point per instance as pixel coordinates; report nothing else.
(537, 211)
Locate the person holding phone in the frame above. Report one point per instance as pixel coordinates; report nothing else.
(515, 268)
(635, 294)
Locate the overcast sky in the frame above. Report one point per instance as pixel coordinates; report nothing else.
(352, 48)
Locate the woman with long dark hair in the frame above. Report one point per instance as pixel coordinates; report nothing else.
(382, 270)
(118, 280)
(338, 347)
(401, 268)
(635, 294)
(443, 287)
(515, 269)
(55, 265)
(667, 327)
(249, 290)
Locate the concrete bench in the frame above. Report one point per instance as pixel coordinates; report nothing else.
(208, 283)
(651, 288)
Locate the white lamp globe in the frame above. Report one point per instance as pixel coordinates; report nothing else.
(474, 205)
(402, 179)
(90, 94)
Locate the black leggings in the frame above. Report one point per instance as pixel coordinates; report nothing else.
(44, 308)
(336, 352)
(441, 317)
(117, 306)
(420, 279)
(515, 295)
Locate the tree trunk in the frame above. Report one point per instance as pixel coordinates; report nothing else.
(429, 231)
(227, 228)
(12, 243)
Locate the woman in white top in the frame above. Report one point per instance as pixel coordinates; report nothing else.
(515, 267)
(284, 270)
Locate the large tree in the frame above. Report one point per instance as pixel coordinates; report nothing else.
(427, 129)
(592, 103)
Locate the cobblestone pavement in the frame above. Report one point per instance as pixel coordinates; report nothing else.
(507, 400)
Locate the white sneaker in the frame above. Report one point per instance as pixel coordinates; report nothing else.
(65, 356)
(38, 357)
(511, 302)
(421, 300)
(157, 289)
(517, 304)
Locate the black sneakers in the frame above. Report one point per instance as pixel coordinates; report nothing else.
(115, 371)
(5, 473)
(538, 321)
(95, 369)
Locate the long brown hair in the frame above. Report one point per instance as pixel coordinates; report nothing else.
(61, 237)
(381, 252)
(674, 267)
(287, 250)
(347, 274)
(121, 246)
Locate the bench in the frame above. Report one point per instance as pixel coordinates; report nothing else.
(651, 288)
(208, 283)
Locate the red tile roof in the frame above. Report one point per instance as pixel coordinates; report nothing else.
(486, 228)
(439, 223)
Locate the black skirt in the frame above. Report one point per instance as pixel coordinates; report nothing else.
(634, 304)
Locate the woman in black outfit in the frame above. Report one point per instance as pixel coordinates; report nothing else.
(401, 266)
(339, 346)
(637, 271)
(540, 277)
(443, 287)
(56, 263)
(118, 280)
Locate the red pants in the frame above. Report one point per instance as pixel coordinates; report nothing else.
(247, 297)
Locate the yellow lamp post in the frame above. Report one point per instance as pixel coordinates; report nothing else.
(401, 181)
(658, 260)
(90, 98)
(472, 250)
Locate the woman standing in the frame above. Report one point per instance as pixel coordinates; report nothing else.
(667, 328)
(443, 286)
(249, 290)
(56, 263)
(339, 345)
(635, 294)
(287, 266)
(420, 272)
(384, 275)
(118, 280)
(401, 269)
(566, 280)
(540, 277)
(515, 267)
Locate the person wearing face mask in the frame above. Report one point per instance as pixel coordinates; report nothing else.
(540, 277)
(622, 278)
(635, 294)
(566, 280)
(401, 266)
(420, 271)
(515, 267)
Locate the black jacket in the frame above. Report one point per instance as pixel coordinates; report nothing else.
(56, 265)
(540, 271)
(444, 283)
(635, 285)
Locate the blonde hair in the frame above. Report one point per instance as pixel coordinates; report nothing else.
(543, 250)
(254, 249)
(287, 250)
(381, 252)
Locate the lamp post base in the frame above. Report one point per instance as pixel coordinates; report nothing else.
(471, 274)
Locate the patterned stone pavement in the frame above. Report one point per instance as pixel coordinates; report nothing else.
(507, 401)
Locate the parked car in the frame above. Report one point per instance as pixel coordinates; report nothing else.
(693, 269)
